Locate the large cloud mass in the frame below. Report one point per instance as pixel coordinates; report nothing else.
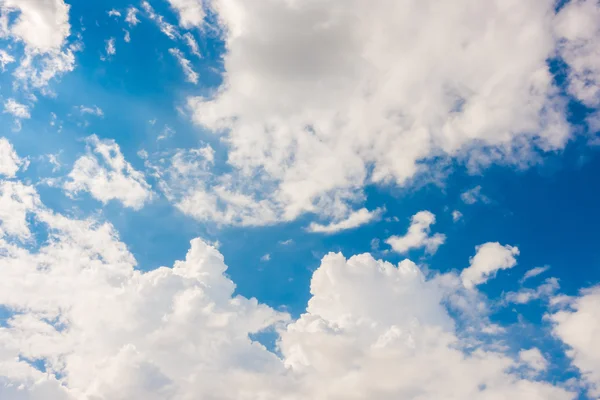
(86, 324)
(323, 97)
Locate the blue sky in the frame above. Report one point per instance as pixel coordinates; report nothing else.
(295, 131)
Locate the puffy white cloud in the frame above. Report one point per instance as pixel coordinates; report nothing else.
(10, 162)
(354, 220)
(488, 259)
(18, 110)
(323, 98)
(186, 65)
(474, 195)
(191, 12)
(106, 175)
(418, 235)
(105, 330)
(577, 326)
(43, 27)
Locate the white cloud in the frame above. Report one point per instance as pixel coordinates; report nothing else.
(354, 220)
(165, 27)
(16, 202)
(534, 272)
(106, 175)
(110, 47)
(578, 326)
(474, 195)
(525, 295)
(456, 215)
(489, 259)
(578, 27)
(127, 37)
(320, 99)
(113, 13)
(286, 242)
(93, 110)
(533, 359)
(418, 235)
(43, 27)
(131, 17)
(191, 12)
(10, 162)
(192, 44)
(104, 329)
(5, 59)
(166, 133)
(265, 258)
(186, 65)
(18, 110)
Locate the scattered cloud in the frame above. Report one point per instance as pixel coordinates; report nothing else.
(186, 65)
(534, 272)
(418, 235)
(489, 259)
(354, 220)
(106, 175)
(127, 37)
(192, 44)
(266, 257)
(165, 27)
(10, 162)
(113, 13)
(93, 110)
(525, 295)
(16, 109)
(456, 215)
(166, 133)
(5, 59)
(131, 17)
(286, 242)
(109, 49)
(474, 195)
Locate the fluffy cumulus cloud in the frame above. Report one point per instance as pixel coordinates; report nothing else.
(578, 326)
(106, 175)
(85, 323)
(418, 235)
(490, 258)
(42, 27)
(322, 98)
